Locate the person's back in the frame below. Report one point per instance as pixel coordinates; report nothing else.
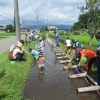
(12, 47)
(16, 50)
(91, 58)
(68, 45)
(88, 53)
(78, 45)
(34, 52)
(68, 42)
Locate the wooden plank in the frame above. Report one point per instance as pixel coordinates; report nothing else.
(57, 49)
(62, 57)
(59, 54)
(64, 61)
(78, 75)
(66, 67)
(90, 88)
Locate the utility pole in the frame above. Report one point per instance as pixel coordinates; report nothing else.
(37, 20)
(17, 23)
(47, 22)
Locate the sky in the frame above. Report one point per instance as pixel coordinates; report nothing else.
(49, 12)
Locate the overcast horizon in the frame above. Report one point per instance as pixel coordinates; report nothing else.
(50, 12)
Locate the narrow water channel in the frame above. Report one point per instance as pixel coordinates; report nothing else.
(54, 83)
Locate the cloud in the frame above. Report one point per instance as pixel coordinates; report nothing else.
(56, 11)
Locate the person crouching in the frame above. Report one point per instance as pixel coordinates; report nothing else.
(41, 60)
(18, 52)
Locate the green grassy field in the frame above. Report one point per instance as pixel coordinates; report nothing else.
(13, 76)
(82, 38)
(7, 34)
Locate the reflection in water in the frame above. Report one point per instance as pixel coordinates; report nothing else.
(41, 74)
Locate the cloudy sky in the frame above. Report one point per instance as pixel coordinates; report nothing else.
(55, 11)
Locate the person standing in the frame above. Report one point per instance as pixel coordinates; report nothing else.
(57, 38)
(68, 45)
(26, 39)
(97, 36)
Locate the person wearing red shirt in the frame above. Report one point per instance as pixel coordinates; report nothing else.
(91, 58)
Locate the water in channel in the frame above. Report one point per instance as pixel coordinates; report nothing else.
(54, 83)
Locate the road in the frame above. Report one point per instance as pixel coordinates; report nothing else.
(7, 42)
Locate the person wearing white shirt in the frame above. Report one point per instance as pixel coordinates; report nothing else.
(68, 45)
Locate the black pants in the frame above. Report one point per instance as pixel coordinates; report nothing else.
(89, 64)
(98, 70)
(19, 56)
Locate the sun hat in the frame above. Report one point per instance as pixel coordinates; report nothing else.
(19, 45)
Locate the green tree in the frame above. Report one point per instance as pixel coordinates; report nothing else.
(46, 29)
(42, 29)
(77, 26)
(1, 26)
(10, 28)
(93, 19)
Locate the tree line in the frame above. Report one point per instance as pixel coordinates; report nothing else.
(9, 28)
(89, 19)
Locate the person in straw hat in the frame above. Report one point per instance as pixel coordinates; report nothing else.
(19, 52)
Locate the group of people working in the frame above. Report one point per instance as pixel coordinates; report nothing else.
(38, 54)
(85, 55)
(18, 53)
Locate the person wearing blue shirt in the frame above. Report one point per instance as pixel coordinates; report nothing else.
(77, 46)
(34, 53)
(57, 38)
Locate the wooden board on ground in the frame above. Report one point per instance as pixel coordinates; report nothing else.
(67, 67)
(89, 88)
(62, 57)
(60, 54)
(78, 75)
(64, 61)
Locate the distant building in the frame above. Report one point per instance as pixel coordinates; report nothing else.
(52, 28)
(25, 29)
(2, 29)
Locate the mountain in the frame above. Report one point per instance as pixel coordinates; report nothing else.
(58, 26)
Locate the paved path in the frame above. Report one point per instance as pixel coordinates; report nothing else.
(7, 42)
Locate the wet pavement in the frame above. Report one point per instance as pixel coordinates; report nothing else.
(54, 83)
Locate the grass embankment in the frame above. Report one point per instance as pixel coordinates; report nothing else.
(13, 76)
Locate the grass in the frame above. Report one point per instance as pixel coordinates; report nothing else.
(6, 35)
(13, 76)
(83, 39)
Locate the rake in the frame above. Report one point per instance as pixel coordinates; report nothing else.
(70, 63)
